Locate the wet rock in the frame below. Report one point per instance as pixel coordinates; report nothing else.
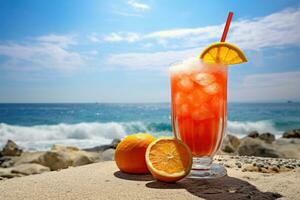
(267, 137)
(256, 147)
(61, 157)
(253, 134)
(294, 133)
(11, 149)
(28, 169)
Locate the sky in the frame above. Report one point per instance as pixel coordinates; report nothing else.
(120, 51)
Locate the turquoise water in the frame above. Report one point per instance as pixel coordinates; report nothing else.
(38, 126)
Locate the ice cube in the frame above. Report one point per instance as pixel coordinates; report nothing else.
(217, 103)
(180, 98)
(198, 96)
(212, 88)
(202, 112)
(182, 110)
(185, 84)
(204, 79)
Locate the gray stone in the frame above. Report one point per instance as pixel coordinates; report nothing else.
(115, 143)
(253, 134)
(7, 163)
(11, 149)
(61, 157)
(112, 145)
(230, 144)
(108, 154)
(28, 169)
(267, 137)
(294, 133)
(6, 173)
(256, 147)
(28, 157)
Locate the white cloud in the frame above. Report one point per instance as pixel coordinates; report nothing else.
(277, 29)
(49, 51)
(93, 52)
(61, 40)
(126, 13)
(117, 37)
(206, 32)
(94, 37)
(138, 6)
(150, 61)
(267, 87)
(148, 45)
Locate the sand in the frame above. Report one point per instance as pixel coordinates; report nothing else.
(104, 181)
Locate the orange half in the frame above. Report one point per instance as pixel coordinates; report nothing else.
(168, 159)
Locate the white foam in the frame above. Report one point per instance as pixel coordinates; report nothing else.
(84, 135)
(241, 129)
(187, 65)
(195, 64)
(44, 136)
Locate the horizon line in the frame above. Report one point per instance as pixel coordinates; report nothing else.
(162, 102)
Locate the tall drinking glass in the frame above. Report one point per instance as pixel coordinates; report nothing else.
(199, 112)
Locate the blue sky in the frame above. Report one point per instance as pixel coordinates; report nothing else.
(119, 51)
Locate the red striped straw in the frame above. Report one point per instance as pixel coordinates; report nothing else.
(226, 28)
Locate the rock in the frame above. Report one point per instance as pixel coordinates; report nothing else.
(230, 144)
(28, 169)
(108, 154)
(115, 143)
(6, 173)
(28, 157)
(61, 157)
(289, 147)
(112, 145)
(295, 133)
(253, 134)
(256, 147)
(7, 163)
(267, 137)
(234, 141)
(11, 149)
(3, 160)
(227, 147)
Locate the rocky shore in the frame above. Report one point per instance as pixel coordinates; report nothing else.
(253, 153)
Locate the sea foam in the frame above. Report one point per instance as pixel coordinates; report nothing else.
(85, 135)
(241, 129)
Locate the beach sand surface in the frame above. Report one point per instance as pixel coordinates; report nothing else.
(104, 181)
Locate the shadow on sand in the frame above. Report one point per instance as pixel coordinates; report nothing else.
(210, 189)
(221, 188)
(133, 177)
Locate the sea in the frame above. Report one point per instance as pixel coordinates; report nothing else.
(39, 126)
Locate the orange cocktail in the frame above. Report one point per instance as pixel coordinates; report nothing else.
(199, 103)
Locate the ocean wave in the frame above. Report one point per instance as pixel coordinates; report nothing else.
(44, 136)
(84, 135)
(241, 129)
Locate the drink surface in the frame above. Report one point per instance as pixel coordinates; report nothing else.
(199, 103)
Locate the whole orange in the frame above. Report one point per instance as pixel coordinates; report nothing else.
(130, 153)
